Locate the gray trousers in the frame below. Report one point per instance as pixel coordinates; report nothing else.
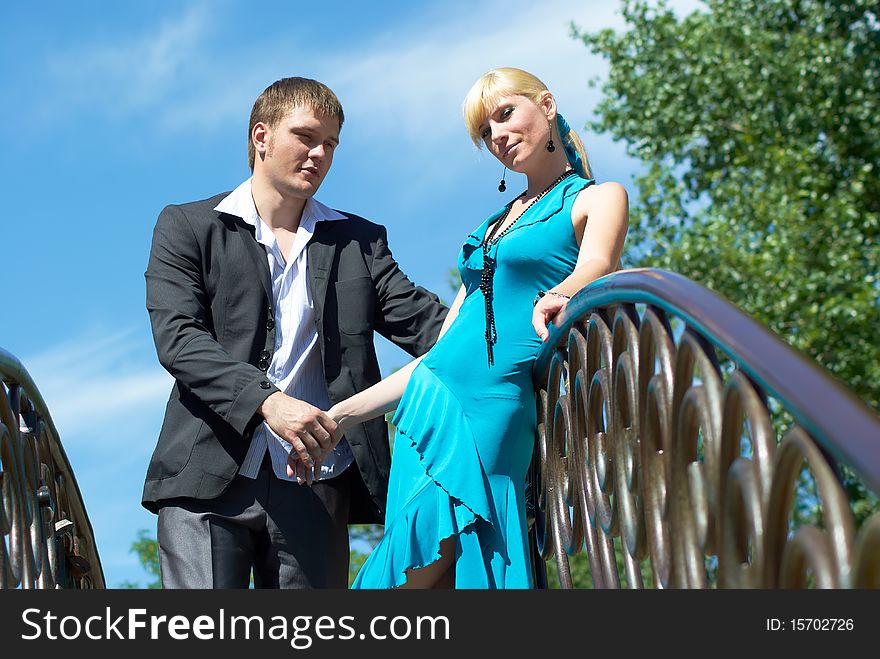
(292, 536)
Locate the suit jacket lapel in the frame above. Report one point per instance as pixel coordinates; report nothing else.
(321, 251)
(257, 253)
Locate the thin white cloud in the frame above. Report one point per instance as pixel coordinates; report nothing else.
(132, 74)
(393, 80)
(410, 80)
(402, 89)
(103, 380)
(413, 85)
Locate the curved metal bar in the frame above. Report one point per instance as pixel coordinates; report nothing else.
(46, 539)
(776, 367)
(744, 483)
(866, 572)
(784, 562)
(655, 429)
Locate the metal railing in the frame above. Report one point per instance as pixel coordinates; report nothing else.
(661, 450)
(46, 539)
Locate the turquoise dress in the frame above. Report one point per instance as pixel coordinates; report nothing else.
(465, 431)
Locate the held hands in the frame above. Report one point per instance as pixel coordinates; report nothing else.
(305, 473)
(546, 309)
(308, 430)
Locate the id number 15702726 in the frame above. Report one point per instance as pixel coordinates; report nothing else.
(809, 624)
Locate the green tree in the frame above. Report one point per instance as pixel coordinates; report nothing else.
(758, 124)
(146, 548)
(363, 539)
(582, 576)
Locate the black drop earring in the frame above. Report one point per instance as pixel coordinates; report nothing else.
(503, 186)
(550, 146)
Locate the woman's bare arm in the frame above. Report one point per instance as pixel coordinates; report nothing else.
(601, 218)
(385, 395)
(374, 401)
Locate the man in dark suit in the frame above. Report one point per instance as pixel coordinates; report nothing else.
(263, 304)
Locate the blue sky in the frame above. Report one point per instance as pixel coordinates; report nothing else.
(112, 110)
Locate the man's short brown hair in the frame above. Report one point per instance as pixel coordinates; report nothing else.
(282, 96)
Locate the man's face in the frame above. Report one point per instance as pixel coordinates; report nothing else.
(295, 155)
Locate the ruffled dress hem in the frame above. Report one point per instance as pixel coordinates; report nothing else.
(455, 497)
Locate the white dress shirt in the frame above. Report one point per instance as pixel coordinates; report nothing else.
(296, 367)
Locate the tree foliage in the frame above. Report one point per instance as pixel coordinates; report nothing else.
(364, 539)
(582, 576)
(146, 548)
(758, 123)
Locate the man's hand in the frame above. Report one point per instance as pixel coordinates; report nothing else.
(308, 430)
(296, 467)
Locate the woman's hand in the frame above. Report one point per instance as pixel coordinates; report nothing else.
(368, 404)
(305, 474)
(344, 421)
(547, 308)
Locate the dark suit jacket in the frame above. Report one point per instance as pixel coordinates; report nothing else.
(210, 304)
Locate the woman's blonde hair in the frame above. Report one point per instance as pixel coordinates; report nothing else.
(492, 85)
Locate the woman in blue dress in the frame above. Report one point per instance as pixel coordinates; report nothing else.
(466, 413)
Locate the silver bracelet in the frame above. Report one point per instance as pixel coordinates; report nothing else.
(543, 293)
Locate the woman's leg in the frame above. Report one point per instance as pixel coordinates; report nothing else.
(439, 574)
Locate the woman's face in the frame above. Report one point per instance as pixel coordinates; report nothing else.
(515, 130)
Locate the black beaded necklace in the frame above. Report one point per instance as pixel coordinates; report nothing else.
(487, 275)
